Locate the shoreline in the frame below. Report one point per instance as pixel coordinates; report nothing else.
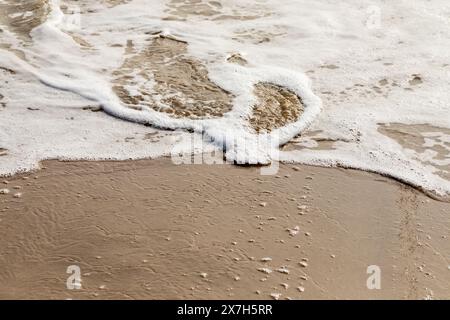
(428, 193)
(148, 229)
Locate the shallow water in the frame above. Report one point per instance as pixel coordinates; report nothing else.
(339, 82)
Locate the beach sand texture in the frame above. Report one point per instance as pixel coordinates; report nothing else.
(95, 96)
(152, 230)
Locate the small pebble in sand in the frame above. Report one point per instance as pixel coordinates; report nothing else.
(5, 181)
(234, 243)
(308, 234)
(271, 218)
(263, 204)
(237, 278)
(448, 267)
(287, 175)
(275, 296)
(98, 257)
(17, 195)
(333, 256)
(303, 264)
(283, 270)
(296, 168)
(266, 259)
(102, 287)
(258, 292)
(265, 270)
(294, 232)
(144, 261)
(285, 285)
(4, 191)
(304, 278)
(309, 178)
(203, 275)
(302, 207)
(251, 240)
(17, 187)
(301, 289)
(236, 259)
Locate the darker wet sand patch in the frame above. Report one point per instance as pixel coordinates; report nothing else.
(22, 16)
(416, 80)
(237, 59)
(258, 36)
(181, 82)
(329, 66)
(313, 140)
(276, 107)
(182, 10)
(423, 139)
(182, 88)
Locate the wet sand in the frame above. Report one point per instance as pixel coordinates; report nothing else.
(152, 230)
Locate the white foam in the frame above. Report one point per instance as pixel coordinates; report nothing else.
(367, 41)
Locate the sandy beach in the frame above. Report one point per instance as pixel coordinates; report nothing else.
(347, 101)
(150, 229)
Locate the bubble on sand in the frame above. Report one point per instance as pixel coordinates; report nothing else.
(275, 296)
(283, 270)
(294, 232)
